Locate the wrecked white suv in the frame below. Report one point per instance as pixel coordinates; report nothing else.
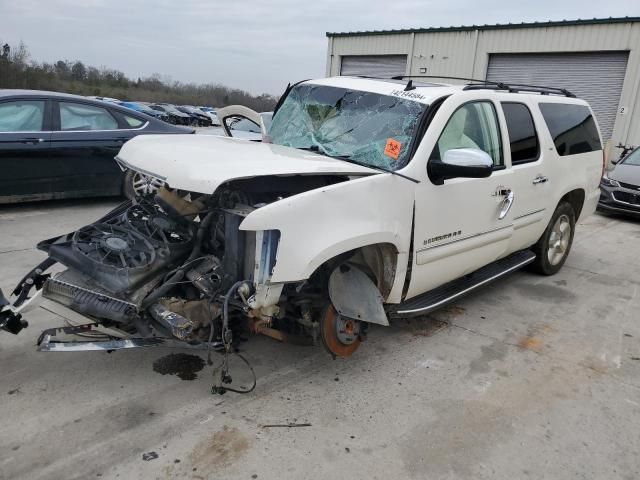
(365, 200)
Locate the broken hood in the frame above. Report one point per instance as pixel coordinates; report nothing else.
(201, 163)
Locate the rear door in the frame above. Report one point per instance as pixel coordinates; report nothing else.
(85, 140)
(25, 166)
(532, 182)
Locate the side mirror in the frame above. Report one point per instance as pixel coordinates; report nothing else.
(460, 163)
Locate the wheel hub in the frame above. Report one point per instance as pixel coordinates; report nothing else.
(116, 244)
(340, 335)
(559, 240)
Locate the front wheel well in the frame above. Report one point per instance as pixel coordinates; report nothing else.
(379, 261)
(575, 198)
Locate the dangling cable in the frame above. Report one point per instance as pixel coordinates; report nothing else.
(227, 340)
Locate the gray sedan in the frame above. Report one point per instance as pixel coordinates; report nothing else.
(620, 187)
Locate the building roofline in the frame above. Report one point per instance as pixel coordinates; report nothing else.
(498, 26)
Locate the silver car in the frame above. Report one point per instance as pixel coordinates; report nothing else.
(620, 187)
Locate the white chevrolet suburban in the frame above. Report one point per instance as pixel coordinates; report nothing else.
(366, 200)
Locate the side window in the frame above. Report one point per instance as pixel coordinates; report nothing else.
(473, 125)
(21, 116)
(572, 128)
(78, 116)
(133, 122)
(523, 139)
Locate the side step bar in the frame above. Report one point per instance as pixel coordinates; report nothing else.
(449, 292)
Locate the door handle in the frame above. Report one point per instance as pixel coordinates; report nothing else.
(32, 140)
(505, 206)
(540, 179)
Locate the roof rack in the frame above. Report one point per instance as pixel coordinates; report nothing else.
(490, 85)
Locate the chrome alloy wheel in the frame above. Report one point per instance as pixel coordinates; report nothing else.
(145, 185)
(559, 240)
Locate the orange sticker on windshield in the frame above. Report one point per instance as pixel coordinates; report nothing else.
(392, 148)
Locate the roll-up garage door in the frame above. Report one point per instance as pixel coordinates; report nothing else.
(382, 66)
(596, 77)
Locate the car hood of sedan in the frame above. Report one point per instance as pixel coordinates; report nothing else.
(201, 163)
(626, 173)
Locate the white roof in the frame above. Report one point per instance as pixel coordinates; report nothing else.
(423, 92)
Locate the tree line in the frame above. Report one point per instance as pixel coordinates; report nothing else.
(18, 71)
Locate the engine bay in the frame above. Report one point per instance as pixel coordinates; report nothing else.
(174, 268)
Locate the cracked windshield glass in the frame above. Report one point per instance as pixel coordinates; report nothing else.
(365, 127)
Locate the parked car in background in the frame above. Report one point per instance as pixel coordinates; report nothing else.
(54, 145)
(176, 117)
(104, 99)
(211, 113)
(620, 187)
(138, 107)
(198, 118)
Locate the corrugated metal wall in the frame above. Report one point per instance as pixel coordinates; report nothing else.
(467, 53)
(596, 77)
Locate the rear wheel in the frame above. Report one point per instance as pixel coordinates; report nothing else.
(553, 247)
(340, 335)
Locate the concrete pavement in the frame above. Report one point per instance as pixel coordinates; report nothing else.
(533, 377)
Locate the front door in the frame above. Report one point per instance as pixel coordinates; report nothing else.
(464, 223)
(24, 150)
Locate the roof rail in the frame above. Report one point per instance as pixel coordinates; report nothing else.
(491, 85)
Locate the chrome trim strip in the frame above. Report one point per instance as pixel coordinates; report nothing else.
(464, 238)
(462, 292)
(80, 131)
(530, 213)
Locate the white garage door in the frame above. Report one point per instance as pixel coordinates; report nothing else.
(596, 77)
(382, 66)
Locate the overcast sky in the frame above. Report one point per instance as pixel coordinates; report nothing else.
(250, 44)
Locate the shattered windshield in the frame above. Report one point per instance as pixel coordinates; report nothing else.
(369, 128)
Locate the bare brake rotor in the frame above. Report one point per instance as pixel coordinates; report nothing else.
(340, 335)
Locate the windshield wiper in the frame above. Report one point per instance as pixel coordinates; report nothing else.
(348, 159)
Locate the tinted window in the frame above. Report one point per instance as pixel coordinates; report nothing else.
(21, 116)
(78, 116)
(473, 125)
(522, 133)
(572, 128)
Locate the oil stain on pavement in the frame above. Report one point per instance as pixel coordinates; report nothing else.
(183, 365)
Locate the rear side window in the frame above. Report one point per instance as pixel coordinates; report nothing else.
(21, 116)
(522, 133)
(132, 121)
(572, 128)
(79, 116)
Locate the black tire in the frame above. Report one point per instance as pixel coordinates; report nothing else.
(551, 257)
(127, 185)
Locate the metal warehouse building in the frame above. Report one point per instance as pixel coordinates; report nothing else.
(598, 60)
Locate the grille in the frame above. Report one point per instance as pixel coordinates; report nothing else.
(629, 185)
(627, 197)
(88, 302)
